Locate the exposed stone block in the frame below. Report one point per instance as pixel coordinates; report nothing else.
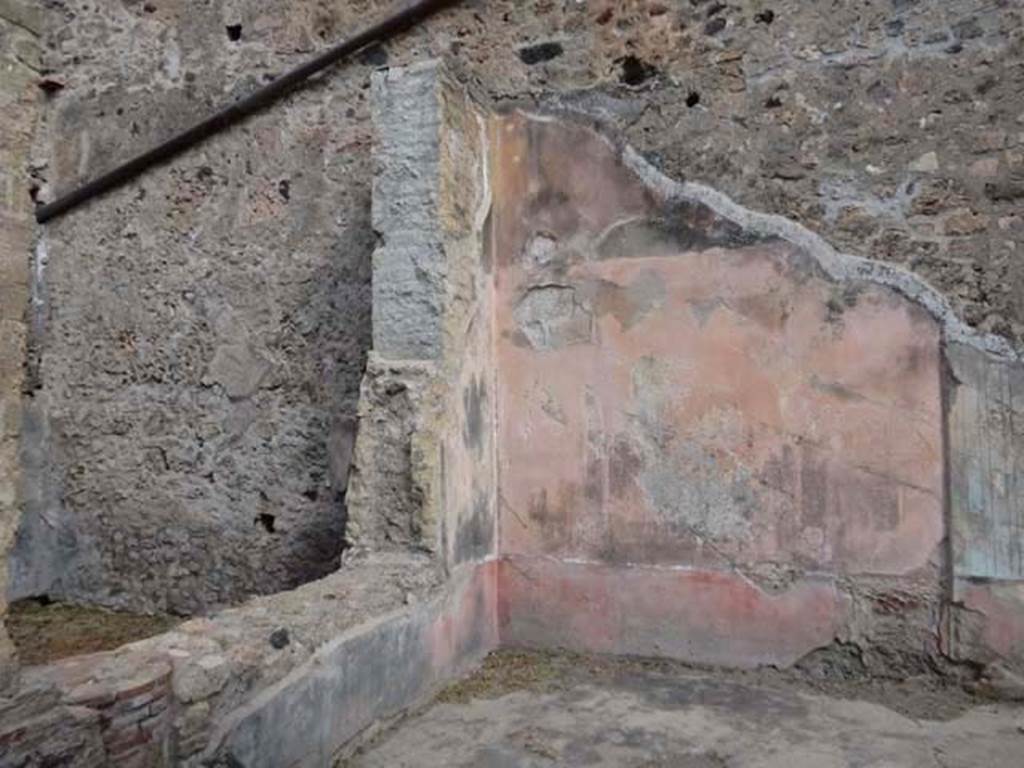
(424, 466)
(988, 623)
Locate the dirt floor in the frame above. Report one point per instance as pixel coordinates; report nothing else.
(44, 632)
(533, 710)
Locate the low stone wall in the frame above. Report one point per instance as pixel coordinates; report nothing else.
(365, 677)
(285, 680)
(131, 698)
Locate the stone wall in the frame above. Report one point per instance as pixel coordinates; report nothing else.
(723, 441)
(424, 475)
(20, 29)
(200, 335)
(290, 679)
(299, 677)
(202, 332)
(709, 448)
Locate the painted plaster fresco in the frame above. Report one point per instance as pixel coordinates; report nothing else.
(681, 395)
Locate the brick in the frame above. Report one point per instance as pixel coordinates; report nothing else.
(142, 693)
(125, 739)
(139, 757)
(92, 695)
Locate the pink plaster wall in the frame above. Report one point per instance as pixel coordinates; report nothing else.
(677, 393)
(704, 616)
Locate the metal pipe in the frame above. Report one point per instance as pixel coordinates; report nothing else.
(383, 30)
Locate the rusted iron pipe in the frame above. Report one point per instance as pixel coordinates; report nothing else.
(379, 32)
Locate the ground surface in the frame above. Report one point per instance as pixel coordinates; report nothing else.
(532, 710)
(45, 632)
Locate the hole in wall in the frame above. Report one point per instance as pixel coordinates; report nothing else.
(715, 26)
(374, 56)
(266, 520)
(234, 32)
(692, 99)
(541, 52)
(767, 16)
(51, 85)
(635, 71)
(279, 638)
